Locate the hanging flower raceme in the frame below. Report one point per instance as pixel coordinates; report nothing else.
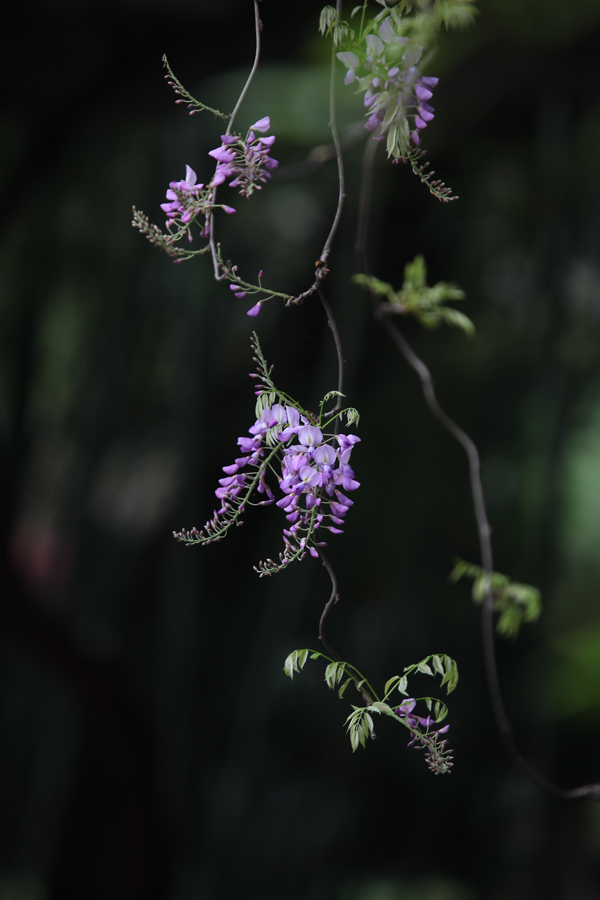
(396, 93)
(247, 162)
(188, 200)
(310, 465)
(437, 751)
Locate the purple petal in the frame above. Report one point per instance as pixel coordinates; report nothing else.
(412, 56)
(254, 311)
(262, 124)
(375, 45)
(222, 154)
(422, 93)
(228, 209)
(350, 60)
(386, 31)
(219, 177)
(324, 455)
(310, 435)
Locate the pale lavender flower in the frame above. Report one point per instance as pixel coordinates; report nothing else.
(313, 471)
(396, 94)
(247, 161)
(188, 186)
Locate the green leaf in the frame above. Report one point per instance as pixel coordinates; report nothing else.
(295, 662)
(331, 674)
(373, 284)
(516, 603)
(402, 684)
(390, 682)
(334, 673)
(352, 416)
(329, 395)
(392, 141)
(453, 679)
(415, 273)
(437, 664)
(424, 668)
(381, 707)
(343, 687)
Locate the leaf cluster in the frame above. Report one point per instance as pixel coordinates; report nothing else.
(442, 665)
(516, 603)
(329, 23)
(416, 298)
(360, 722)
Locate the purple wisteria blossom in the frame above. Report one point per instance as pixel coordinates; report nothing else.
(186, 201)
(247, 162)
(187, 185)
(437, 752)
(313, 475)
(396, 93)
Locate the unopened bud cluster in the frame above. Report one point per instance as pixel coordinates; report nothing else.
(437, 752)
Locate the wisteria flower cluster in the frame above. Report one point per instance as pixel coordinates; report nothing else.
(247, 160)
(437, 751)
(311, 465)
(396, 93)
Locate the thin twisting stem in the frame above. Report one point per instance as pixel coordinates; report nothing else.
(257, 29)
(331, 602)
(333, 599)
(590, 791)
(321, 267)
(340, 355)
(338, 152)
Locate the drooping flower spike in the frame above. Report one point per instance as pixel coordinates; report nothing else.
(247, 162)
(396, 93)
(311, 467)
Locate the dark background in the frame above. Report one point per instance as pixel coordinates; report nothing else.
(151, 746)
